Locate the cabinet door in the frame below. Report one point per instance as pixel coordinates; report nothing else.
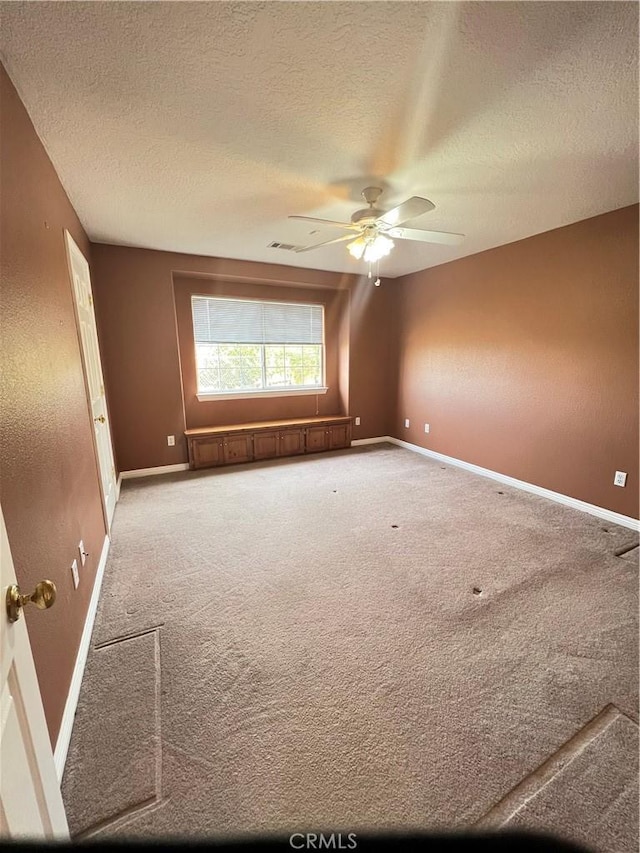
(207, 451)
(291, 442)
(238, 448)
(339, 436)
(317, 438)
(265, 445)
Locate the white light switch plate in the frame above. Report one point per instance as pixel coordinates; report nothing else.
(620, 479)
(83, 556)
(427, 427)
(406, 422)
(357, 421)
(171, 440)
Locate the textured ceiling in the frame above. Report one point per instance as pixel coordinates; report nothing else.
(197, 127)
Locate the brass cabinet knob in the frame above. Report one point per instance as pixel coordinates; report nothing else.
(100, 419)
(43, 597)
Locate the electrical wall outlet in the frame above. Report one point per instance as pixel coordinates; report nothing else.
(427, 427)
(620, 479)
(83, 553)
(74, 572)
(406, 423)
(171, 440)
(357, 421)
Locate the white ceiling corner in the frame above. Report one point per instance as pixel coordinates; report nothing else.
(198, 127)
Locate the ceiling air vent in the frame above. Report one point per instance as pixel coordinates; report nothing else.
(287, 246)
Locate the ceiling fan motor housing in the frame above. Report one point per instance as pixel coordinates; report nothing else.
(367, 215)
(370, 195)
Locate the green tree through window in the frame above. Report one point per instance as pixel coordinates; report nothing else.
(277, 361)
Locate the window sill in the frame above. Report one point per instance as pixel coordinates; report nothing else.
(277, 392)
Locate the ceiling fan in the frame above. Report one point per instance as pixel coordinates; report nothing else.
(371, 228)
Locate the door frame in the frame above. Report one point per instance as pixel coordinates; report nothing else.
(71, 245)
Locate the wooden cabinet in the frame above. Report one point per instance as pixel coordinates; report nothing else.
(328, 437)
(220, 449)
(317, 439)
(291, 442)
(225, 445)
(238, 448)
(339, 435)
(206, 453)
(267, 444)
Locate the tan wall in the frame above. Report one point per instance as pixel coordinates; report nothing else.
(50, 490)
(136, 309)
(524, 359)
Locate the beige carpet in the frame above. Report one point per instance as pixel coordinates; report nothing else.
(361, 640)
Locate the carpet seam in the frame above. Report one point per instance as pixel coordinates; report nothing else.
(120, 819)
(158, 710)
(124, 637)
(556, 763)
(625, 549)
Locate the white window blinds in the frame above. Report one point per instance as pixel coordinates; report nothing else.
(218, 320)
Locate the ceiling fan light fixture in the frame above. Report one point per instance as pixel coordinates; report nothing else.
(357, 247)
(377, 248)
(370, 246)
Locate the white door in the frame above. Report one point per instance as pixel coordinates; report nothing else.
(30, 801)
(85, 316)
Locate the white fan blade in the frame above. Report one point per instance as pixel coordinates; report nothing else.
(326, 243)
(444, 237)
(409, 209)
(326, 222)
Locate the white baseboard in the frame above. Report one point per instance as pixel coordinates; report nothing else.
(565, 500)
(66, 727)
(118, 485)
(150, 472)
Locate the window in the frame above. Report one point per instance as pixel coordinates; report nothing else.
(247, 347)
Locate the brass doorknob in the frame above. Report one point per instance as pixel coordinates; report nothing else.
(43, 597)
(100, 419)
